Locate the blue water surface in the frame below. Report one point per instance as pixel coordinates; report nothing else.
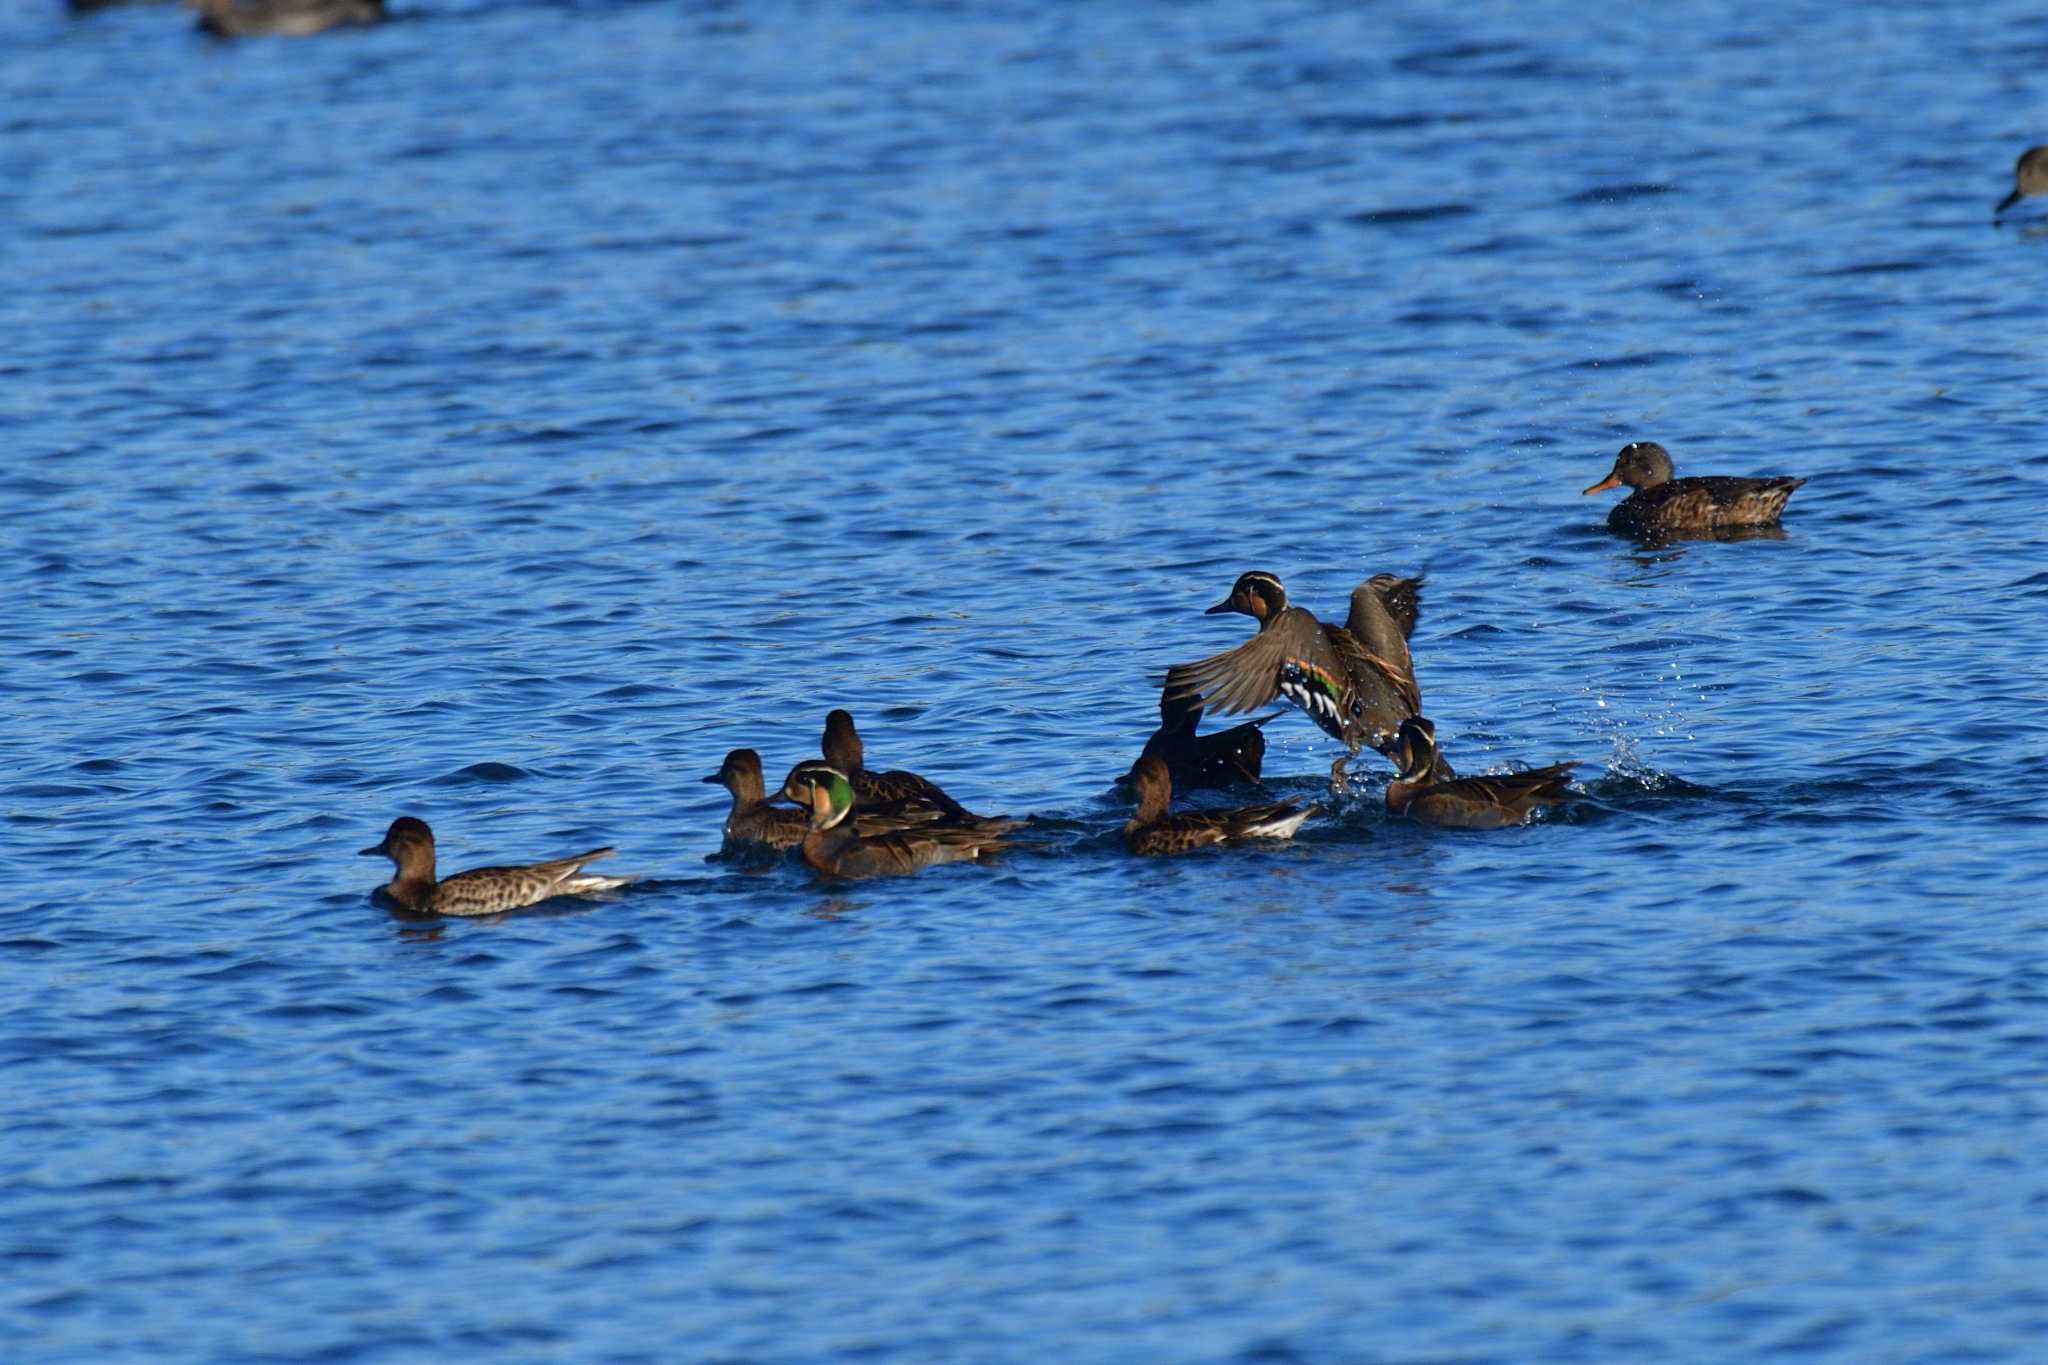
(497, 415)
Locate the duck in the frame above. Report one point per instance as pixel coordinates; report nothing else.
(833, 848)
(283, 18)
(896, 790)
(1222, 758)
(1356, 681)
(885, 817)
(1422, 793)
(2029, 176)
(1154, 829)
(409, 843)
(1661, 503)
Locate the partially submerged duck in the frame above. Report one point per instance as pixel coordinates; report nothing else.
(1422, 793)
(1661, 503)
(482, 890)
(1154, 829)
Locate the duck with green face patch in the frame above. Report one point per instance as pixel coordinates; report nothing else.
(1662, 503)
(482, 890)
(1356, 681)
(1423, 793)
(833, 848)
(872, 816)
(1155, 829)
(757, 825)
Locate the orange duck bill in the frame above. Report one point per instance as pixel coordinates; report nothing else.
(1613, 480)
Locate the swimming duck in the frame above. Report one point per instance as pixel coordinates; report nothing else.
(483, 890)
(753, 822)
(1223, 758)
(1153, 829)
(885, 817)
(284, 18)
(897, 790)
(1663, 503)
(834, 849)
(1356, 680)
(2030, 176)
(1467, 802)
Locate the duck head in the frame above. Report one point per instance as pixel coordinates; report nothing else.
(1257, 595)
(740, 774)
(1641, 464)
(842, 743)
(2030, 176)
(831, 797)
(805, 775)
(408, 843)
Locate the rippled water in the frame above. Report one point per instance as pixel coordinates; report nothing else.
(498, 415)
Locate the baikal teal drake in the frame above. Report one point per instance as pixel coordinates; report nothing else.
(1422, 793)
(1356, 681)
(1155, 829)
(482, 890)
(834, 849)
(1662, 504)
(756, 824)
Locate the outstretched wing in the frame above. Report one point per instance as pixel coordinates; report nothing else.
(1384, 610)
(1247, 677)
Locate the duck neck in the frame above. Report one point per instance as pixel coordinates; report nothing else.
(1152, 805)
(411, 892)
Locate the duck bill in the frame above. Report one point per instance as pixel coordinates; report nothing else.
(717, 779)
(1219, 608)
(374, 850)
(2006, 203)
(1611, 481)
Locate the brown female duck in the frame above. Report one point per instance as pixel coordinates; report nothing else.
(1153, 829)
(1223, 758)
(483, 890)
(1661, 503)
(903, 792)
(833, 848)
(1467, 802)
(1356, 681)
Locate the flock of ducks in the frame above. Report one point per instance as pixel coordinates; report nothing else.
(1356, 681)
